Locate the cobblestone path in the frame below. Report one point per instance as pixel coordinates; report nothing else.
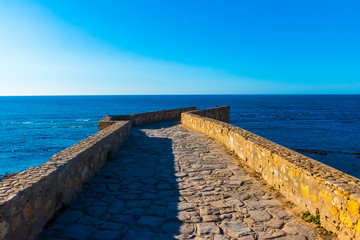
(171, 183)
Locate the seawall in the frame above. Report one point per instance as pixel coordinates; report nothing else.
(309, 184)
(143, 118)
(31, 198)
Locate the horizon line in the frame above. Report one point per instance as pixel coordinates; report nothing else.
(195, 94)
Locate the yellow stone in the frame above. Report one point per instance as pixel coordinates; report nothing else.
(276, 160)
(353, 207)
(343, 195)
(291, 174)
(346, 220)
(314, 198)
(305, 190)
(334, 210)
(357, 226)
(297, 173)
(325, 195)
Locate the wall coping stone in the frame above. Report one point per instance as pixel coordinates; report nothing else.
(144, 118)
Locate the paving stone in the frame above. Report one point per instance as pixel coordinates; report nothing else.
(108, 198)
(151, 221)
(180, 174)
(68, 217)
(292, 237)
(219, 204)
(148, 196)
(249, 237)
(113, 187)
(272, 235)
(302, 229)
(156, 210)
(75, 231)
(127, 219)
(235, 182)
(210, 218)
(207, 228)
(188, 216)
(278, 213)
(236, 229)
(96, 211)
(88, 220)
(139, 233)
(105, 217)
(99, 203)
(171, 227)
(240, 177)
(221, 237)
(235, 202)
(271, 203)
(128, 196)
(148, 188)
(187, 229)
(260, 215)
(116, 207)
(134, 185)
(114, 226)
(242, 196)
(164, 186)
(275, 223)
(166, 193)
(134, 211)
(106, 235)
(205, 211)
(254, 204)
(185, 206)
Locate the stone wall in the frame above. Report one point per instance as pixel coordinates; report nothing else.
(30, 199)
(143, 118)
(221, 113)
(309, 184)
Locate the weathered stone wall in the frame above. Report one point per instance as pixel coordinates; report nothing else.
(143, 118)
(221, 113)
(30, 199)
(311, 185)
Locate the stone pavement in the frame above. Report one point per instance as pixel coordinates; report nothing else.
(171, 183)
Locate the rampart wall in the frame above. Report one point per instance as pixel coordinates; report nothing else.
(143, 118)
(311, 185)
(30, 199)
(221, 113)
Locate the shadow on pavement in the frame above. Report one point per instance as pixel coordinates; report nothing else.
(135, 196)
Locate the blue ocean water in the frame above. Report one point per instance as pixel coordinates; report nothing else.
(34, 128)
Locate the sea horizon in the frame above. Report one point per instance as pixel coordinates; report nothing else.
(198, 94)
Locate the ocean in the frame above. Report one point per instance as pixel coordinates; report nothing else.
(32, 129)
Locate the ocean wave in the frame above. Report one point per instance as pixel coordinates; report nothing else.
(82, 120)
(27, 122)
(15, 123)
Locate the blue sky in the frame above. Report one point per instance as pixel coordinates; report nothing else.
(179, 47)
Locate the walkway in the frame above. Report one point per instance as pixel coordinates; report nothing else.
(171, 183)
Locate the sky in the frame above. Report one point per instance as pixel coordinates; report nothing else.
(62, 47)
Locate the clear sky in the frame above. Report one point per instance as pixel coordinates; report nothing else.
(85, 47)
